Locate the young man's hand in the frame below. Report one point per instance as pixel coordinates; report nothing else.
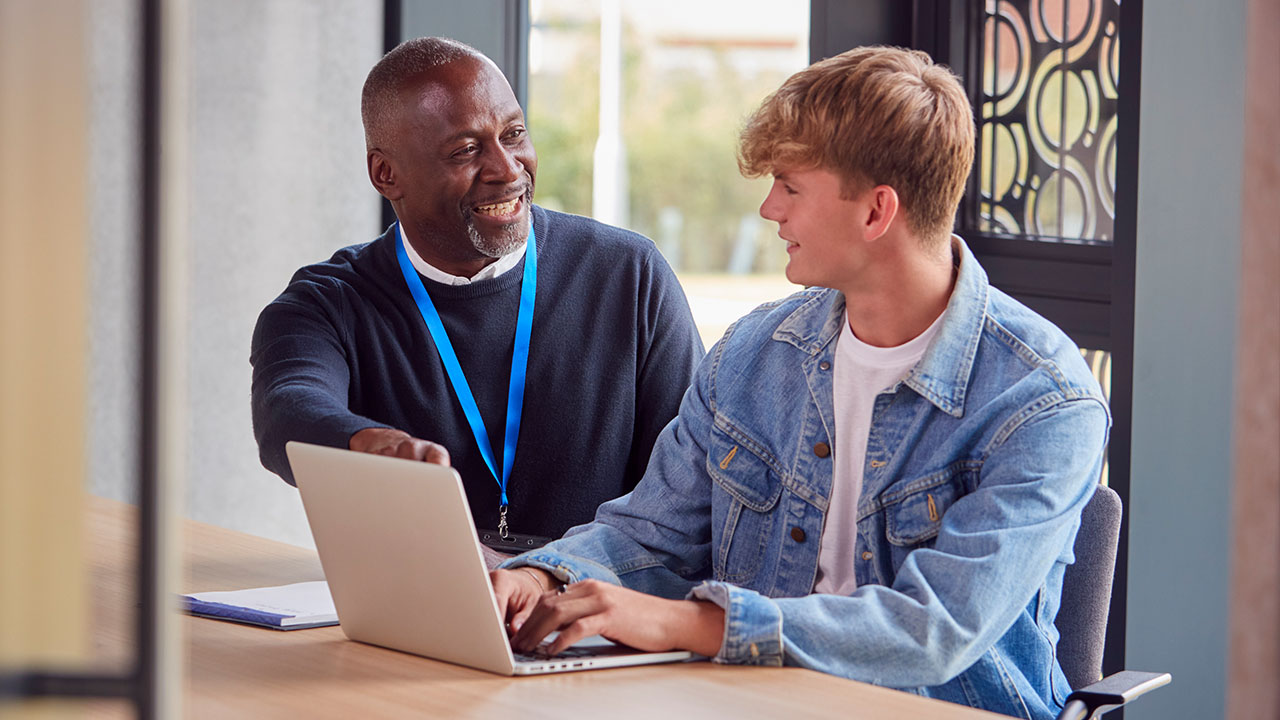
(518, 591)
(398, 443)
(624, 616)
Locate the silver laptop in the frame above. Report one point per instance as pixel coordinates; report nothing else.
(404, 565)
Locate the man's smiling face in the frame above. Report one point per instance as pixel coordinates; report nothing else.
(464, 164)
(817, 222)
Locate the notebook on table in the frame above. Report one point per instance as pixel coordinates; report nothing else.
(404, 564)
(283, 607)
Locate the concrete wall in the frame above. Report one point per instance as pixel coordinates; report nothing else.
(277, 181)
(114, 191)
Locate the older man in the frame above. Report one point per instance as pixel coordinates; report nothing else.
(539, 353)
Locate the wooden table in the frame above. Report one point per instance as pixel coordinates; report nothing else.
(238, 671)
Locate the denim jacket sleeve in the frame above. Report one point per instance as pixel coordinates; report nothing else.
(657, 538)
(951, 602)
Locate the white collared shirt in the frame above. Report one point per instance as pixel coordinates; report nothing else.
(492, 270)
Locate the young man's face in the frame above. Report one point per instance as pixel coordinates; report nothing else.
(817, 223)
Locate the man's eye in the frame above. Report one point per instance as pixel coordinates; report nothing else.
(467, 151)
(516, 134)
(790, 190)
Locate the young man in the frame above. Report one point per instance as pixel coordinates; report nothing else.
(880, 477)
(573, 341)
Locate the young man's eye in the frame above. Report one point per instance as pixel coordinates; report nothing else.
(789, 190)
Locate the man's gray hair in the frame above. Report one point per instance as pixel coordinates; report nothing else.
(396, 69)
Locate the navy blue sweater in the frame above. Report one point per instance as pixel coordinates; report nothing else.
(613, 349)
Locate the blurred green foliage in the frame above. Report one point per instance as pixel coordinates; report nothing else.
(680, 128)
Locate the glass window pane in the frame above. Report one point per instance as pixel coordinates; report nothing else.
(53, 619)
(1047, 113)
(638, 127)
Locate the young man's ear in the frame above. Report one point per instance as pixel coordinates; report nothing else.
(383, 176)
(882, 209)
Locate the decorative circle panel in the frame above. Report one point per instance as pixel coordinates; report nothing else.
(1048, 105)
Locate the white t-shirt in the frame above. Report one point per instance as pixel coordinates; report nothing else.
(861, 373)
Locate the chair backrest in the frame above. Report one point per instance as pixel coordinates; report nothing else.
(1086, 590)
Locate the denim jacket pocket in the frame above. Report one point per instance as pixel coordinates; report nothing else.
(746, 491)
(914, 507)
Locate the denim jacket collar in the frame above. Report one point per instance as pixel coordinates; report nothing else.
(942, 375)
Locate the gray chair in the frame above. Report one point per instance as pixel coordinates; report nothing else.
(1082, 617)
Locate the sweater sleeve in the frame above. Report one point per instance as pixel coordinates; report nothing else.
(667, 353)
(301, 375)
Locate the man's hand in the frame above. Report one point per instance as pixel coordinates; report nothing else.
(624, 616)
(518, 591)
(398, 443)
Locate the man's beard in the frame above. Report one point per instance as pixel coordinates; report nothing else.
(508, 240)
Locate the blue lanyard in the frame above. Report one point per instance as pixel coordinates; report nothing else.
(519, 362)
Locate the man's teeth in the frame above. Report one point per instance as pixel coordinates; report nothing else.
(498, 208)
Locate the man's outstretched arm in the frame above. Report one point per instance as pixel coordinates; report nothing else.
(301, 378)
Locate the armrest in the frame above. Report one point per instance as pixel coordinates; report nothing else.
(1111, 692)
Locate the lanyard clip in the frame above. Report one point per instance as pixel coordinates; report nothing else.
(503, 531)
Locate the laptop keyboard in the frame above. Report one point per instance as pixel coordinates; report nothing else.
(541, 654)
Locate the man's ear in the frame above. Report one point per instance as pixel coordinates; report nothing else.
(383, 176)
(882, 209)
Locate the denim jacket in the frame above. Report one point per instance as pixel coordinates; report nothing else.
(977, 467)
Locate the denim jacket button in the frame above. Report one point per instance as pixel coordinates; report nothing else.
(866, 555)
(822, 449)
(797, 534)
(824, 365)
